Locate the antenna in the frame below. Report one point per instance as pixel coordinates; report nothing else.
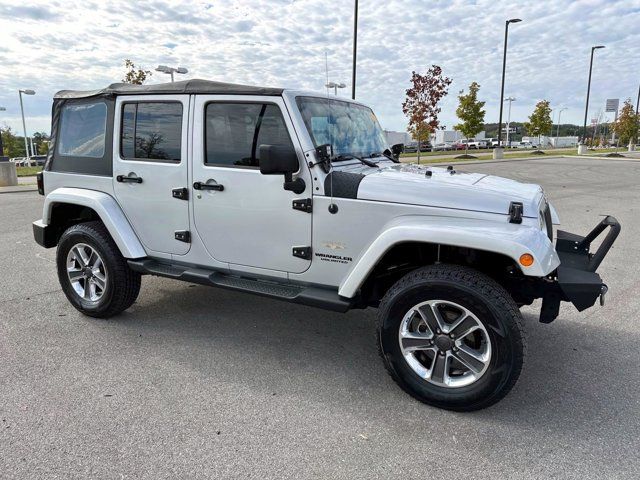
(326, 68)
(333, 208)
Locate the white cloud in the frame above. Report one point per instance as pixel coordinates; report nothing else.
(53, 45)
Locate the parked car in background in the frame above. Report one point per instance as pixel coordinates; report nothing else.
(20, 161)
(492, 142)
(442, 147)
(477, 144)
(458, 145)
(413, 147)
(523, 145)
(38, 160)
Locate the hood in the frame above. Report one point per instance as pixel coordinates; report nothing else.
(410, 184)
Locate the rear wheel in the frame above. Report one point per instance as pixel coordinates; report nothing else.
(451, 337)
(93, 273)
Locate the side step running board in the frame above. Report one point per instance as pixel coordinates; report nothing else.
(313, 296)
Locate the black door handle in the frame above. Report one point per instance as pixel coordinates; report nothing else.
(122, 179)
(206, 186)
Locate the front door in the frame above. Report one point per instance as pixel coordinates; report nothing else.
(248, 220)
(150, 168)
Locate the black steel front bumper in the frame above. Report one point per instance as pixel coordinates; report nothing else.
(576, 278)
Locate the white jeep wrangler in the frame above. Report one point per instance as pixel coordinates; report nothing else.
(296, 196)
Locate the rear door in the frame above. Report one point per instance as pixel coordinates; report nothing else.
(250, 219)
(150, 169)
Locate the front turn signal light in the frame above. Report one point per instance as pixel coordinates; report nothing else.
(526, 259)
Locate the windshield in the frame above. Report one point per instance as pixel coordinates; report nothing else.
(349, 128)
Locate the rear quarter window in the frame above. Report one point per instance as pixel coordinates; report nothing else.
(82, 136)
(83, 130)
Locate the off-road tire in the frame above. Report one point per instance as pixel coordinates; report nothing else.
(492, 305)
(122, 285)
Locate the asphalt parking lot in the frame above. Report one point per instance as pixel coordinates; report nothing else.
(199, 382)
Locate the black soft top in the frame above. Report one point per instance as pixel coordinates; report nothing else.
(185, 86)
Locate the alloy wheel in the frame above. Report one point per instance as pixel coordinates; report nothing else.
(87, 273)
(445, 343)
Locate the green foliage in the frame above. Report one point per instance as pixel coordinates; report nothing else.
(12, 144)
(41, 143)
(134, 75)
(470, 112)
(420, 131)
(540, 120)
(626, 128)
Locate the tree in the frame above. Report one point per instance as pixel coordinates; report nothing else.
(626, 128)
(421, 104)
(420, 132)
(540, 120)
(134, 75)
(470, 113)
(13, 145)
(41, 143)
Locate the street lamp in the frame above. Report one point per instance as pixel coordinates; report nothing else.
(508, 99)
(24, 127)
(171, 70)
(582, 148)
(637, 118)
(335, 86)
(558, 130)
(2, 109)
(497, 153)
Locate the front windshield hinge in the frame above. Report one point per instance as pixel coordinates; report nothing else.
(303, 204)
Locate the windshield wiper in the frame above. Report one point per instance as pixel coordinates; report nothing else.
(385, 155)
(349, 156)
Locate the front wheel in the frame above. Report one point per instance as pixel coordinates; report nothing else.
(451, 337)
(93, 273)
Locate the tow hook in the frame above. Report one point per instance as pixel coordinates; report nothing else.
(603, 292)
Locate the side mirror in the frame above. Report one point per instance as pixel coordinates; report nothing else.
(397, 149)
(278, 160)
(281, 160)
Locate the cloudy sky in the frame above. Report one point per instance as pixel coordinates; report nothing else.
(53, 45)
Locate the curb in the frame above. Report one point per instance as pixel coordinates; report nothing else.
(18, 189)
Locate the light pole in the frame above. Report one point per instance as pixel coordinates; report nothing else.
(171, 70)
(355, 50)
(582, 148)
(2, 109)
(558, 130)
(508, 99)
(497, 152)
(335, 86)
(24, 127)
(637, 121)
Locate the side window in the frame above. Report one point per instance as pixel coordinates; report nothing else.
(151, 131)
(234, 131)
(82, 130)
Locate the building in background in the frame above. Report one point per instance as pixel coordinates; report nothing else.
(450, 136)
(394, 138)
(552, 142)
